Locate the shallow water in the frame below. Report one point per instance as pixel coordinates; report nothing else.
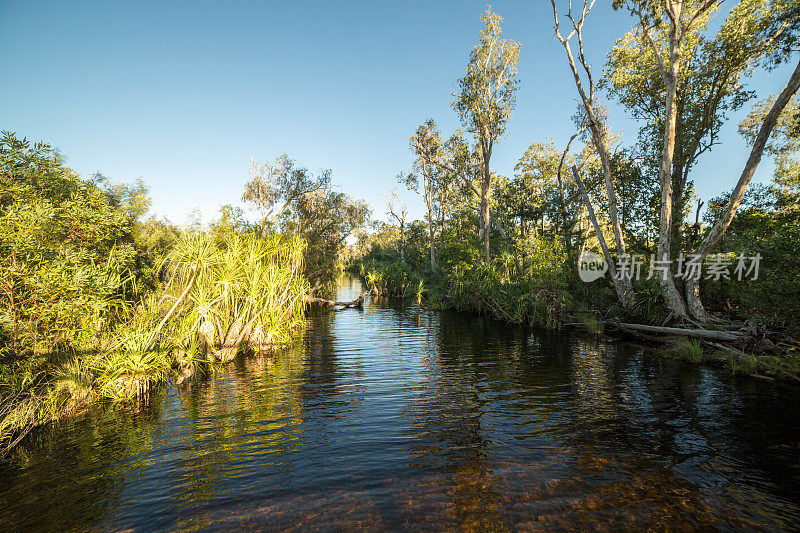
(399, 418)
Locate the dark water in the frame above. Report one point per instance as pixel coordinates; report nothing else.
(395, 418)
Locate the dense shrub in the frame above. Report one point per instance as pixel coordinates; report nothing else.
(66, 252)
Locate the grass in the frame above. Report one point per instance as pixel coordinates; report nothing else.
(689, 349)
(744, 365)
(592, 324)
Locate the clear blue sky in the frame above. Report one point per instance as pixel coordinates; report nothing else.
(182, 94)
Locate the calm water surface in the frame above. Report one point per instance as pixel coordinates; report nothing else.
(398, 418)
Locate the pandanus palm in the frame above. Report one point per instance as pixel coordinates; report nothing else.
(219, 297)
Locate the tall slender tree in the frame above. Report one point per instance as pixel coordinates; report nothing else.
(429, 179)
(586, 91)
(486, 100)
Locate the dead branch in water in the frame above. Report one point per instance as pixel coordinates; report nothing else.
(358, 303)
(731, 344)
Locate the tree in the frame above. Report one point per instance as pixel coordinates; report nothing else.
(398, 211)
(534, 182)
(299, 203)
(697, 81)
(784, 146)
(431, 178)
(324, 219)
(66, 251)
(594, 120)
(231, 221)
(682, 23)
(486, 100)
(274, 187)
(682, 83)
(715, 234)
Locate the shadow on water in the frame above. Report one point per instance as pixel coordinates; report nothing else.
(398, 417)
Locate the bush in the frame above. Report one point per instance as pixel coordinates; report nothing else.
(66, 253)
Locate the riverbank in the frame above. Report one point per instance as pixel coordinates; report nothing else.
(551, 301)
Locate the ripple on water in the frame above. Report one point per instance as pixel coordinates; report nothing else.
(398, 417)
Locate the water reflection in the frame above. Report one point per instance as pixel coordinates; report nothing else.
(398, 417)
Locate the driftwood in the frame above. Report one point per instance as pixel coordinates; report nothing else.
(358, 303)
(708, 334)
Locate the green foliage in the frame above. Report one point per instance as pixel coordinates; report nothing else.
(744, 365)
(392, 279)
(762, 226)
(487, 94)
(274, 187)
(593, 324)
(66, 251)
(244, 291)
(76, 259)
(292, 200)
(716, 61)
(537, 295)
(219, 298)
(324, 220)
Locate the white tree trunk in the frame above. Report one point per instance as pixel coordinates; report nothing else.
(621, 285)
(485, 186)
(672, 298)
(718, 230)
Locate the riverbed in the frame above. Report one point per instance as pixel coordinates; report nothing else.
(396, 417)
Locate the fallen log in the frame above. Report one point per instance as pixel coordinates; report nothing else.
(741, 356)
(709, 334)
(638, 334)
(358, 303)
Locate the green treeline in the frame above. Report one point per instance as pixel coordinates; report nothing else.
(98, 303)
(510, 245)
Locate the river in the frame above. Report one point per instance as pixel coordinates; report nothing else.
(399, 418)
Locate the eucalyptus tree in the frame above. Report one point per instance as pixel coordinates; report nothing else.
(433, 178)
(454, 162)
(668, 71)
(585, 84)
(486, 100)
(671, 33)
(681, 21)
